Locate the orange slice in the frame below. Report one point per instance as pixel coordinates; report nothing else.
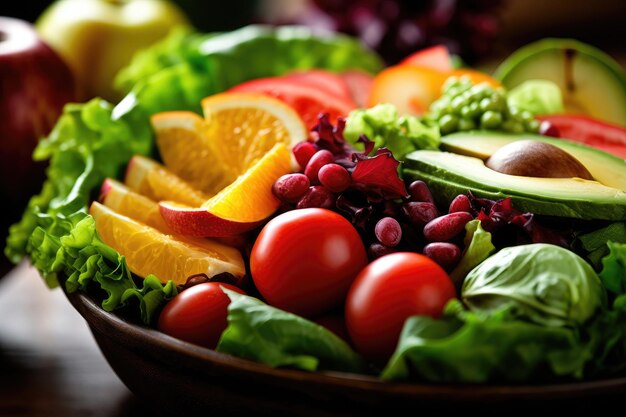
(237, 208)
(154, 181)
(238, 130)
(411, 89)
(148, 251)
(126, 202)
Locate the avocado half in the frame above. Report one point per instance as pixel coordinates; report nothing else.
(462, 168)
(591, 81)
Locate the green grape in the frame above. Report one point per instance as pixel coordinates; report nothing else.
(490, 120)
(448, 124)
(464, 106)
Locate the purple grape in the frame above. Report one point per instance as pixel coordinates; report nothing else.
(376, 250)
(316, 162)
(334, 177)
(460, 203)
(420, 213)
(303, 152)
(388, 231)
(420, 192)
(447, 255)
(291, 187)
(446, 227)
(317, 196)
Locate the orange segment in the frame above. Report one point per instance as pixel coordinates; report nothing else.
(154, 181)
(250, 199)
(182, 138)
(128, 203)
(148, 251)
(248, 125)
(238, 129)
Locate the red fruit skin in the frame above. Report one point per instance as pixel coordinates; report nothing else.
(199, 222)
(198, 314)
(446, 227)
(387, 292)
(304, 261)
(35, 84)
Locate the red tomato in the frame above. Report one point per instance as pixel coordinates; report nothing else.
(324, 80)
(386, 293)
(593, 132)
(305, 260)
(436, 57)
(305, 99)
(198, 314)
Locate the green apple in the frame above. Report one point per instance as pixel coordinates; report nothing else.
(99, 37)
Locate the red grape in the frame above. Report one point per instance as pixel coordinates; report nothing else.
(334, 177)
(316, 162)
(291, 187)
(388, 231)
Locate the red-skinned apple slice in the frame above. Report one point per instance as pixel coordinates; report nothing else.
(240, 207)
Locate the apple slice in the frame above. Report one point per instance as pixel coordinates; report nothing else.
(240, 207)
(154, 181)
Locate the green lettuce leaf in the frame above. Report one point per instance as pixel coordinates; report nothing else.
(537, 97)
(277, 338)
(87, 145)
(613, 274)
(180, 71)
(478, 247)
(467, 347)
(400, 134)
(594, 243)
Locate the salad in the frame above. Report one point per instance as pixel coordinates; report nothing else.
(281, 197)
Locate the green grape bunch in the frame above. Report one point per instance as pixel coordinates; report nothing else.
(466, 106)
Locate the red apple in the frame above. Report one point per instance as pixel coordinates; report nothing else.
(200, 222)
(34, 85)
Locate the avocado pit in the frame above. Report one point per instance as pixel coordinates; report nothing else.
(530, 158)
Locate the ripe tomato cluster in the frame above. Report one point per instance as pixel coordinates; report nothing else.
(312, 262)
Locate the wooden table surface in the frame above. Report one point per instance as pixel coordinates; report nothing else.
(49, 363)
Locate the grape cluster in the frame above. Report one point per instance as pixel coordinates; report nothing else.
(386, 225)
(464, 106)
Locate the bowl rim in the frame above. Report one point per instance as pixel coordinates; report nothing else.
(107, 322)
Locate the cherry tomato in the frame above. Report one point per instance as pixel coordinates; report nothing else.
(386, 293)
(308, 101)
(198, 314)
(305, 260)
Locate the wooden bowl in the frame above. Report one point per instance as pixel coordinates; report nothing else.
(182, 378)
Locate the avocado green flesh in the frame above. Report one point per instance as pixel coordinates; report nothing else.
(590, 80)
(607, 169)
(449, 174)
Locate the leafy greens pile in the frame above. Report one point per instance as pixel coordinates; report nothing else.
(95, 140)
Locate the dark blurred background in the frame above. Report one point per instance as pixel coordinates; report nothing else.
(478, 30)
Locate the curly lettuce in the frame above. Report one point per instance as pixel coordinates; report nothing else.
(383, 125)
